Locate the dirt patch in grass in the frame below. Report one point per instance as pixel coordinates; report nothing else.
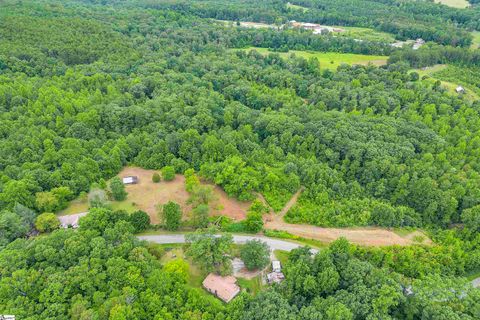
(146, 195)
(227, 206)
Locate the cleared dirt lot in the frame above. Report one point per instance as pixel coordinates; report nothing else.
(146, 195)
(368, 236)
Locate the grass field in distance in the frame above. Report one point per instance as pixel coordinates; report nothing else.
(329, 60)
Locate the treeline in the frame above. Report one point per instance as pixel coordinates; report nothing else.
(432, 54)
(292, 39)
(405, 20)
(429, 21)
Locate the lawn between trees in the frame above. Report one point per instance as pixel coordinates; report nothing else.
(327, 60)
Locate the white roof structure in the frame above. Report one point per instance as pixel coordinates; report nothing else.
(460, 89)
(71, 220)
(276, 266)
(130, 180)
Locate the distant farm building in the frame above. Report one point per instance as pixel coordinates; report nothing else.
(316, 28)
(71, 220)
(460, 89)
(224, 288)
(130, 180)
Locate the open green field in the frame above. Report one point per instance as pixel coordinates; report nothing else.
(81, 205)
(366, 34)
(454, 3)
(476, 39)
(451, 77)
(252, 286)
(281, 256)
(328, 60)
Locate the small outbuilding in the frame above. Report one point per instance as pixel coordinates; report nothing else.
(460, 89)
(276, 266)
(71, 220)
(224, 288)
(275, 277)
(130, 180)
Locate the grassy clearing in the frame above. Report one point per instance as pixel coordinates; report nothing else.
(279, 234)
(474, 274)
(476, 39)
(296, 7)
(281, 255)
(403, 232)
(329, 60)
(81, 205)
(252, 286)
(175, 251)
(455, 3)
(366, 34)
(447, 75)
(76, 206)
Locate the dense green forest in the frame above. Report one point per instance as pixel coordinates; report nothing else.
(87, 87)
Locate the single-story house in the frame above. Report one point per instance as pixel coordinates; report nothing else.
(130, 180)
(224, 288)
(460, 89)
(71, 220)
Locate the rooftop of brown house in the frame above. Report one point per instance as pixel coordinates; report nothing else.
(225, 288)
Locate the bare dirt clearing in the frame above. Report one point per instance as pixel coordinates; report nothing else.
(146, 195)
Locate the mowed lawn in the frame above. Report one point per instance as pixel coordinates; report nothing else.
(329, 60)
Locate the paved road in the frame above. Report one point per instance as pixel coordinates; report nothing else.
(274, 244)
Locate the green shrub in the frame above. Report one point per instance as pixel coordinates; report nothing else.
(118, 189)
(139, 220)
(168, 173)
(47, 222)
(156, 178)
(171, 215)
